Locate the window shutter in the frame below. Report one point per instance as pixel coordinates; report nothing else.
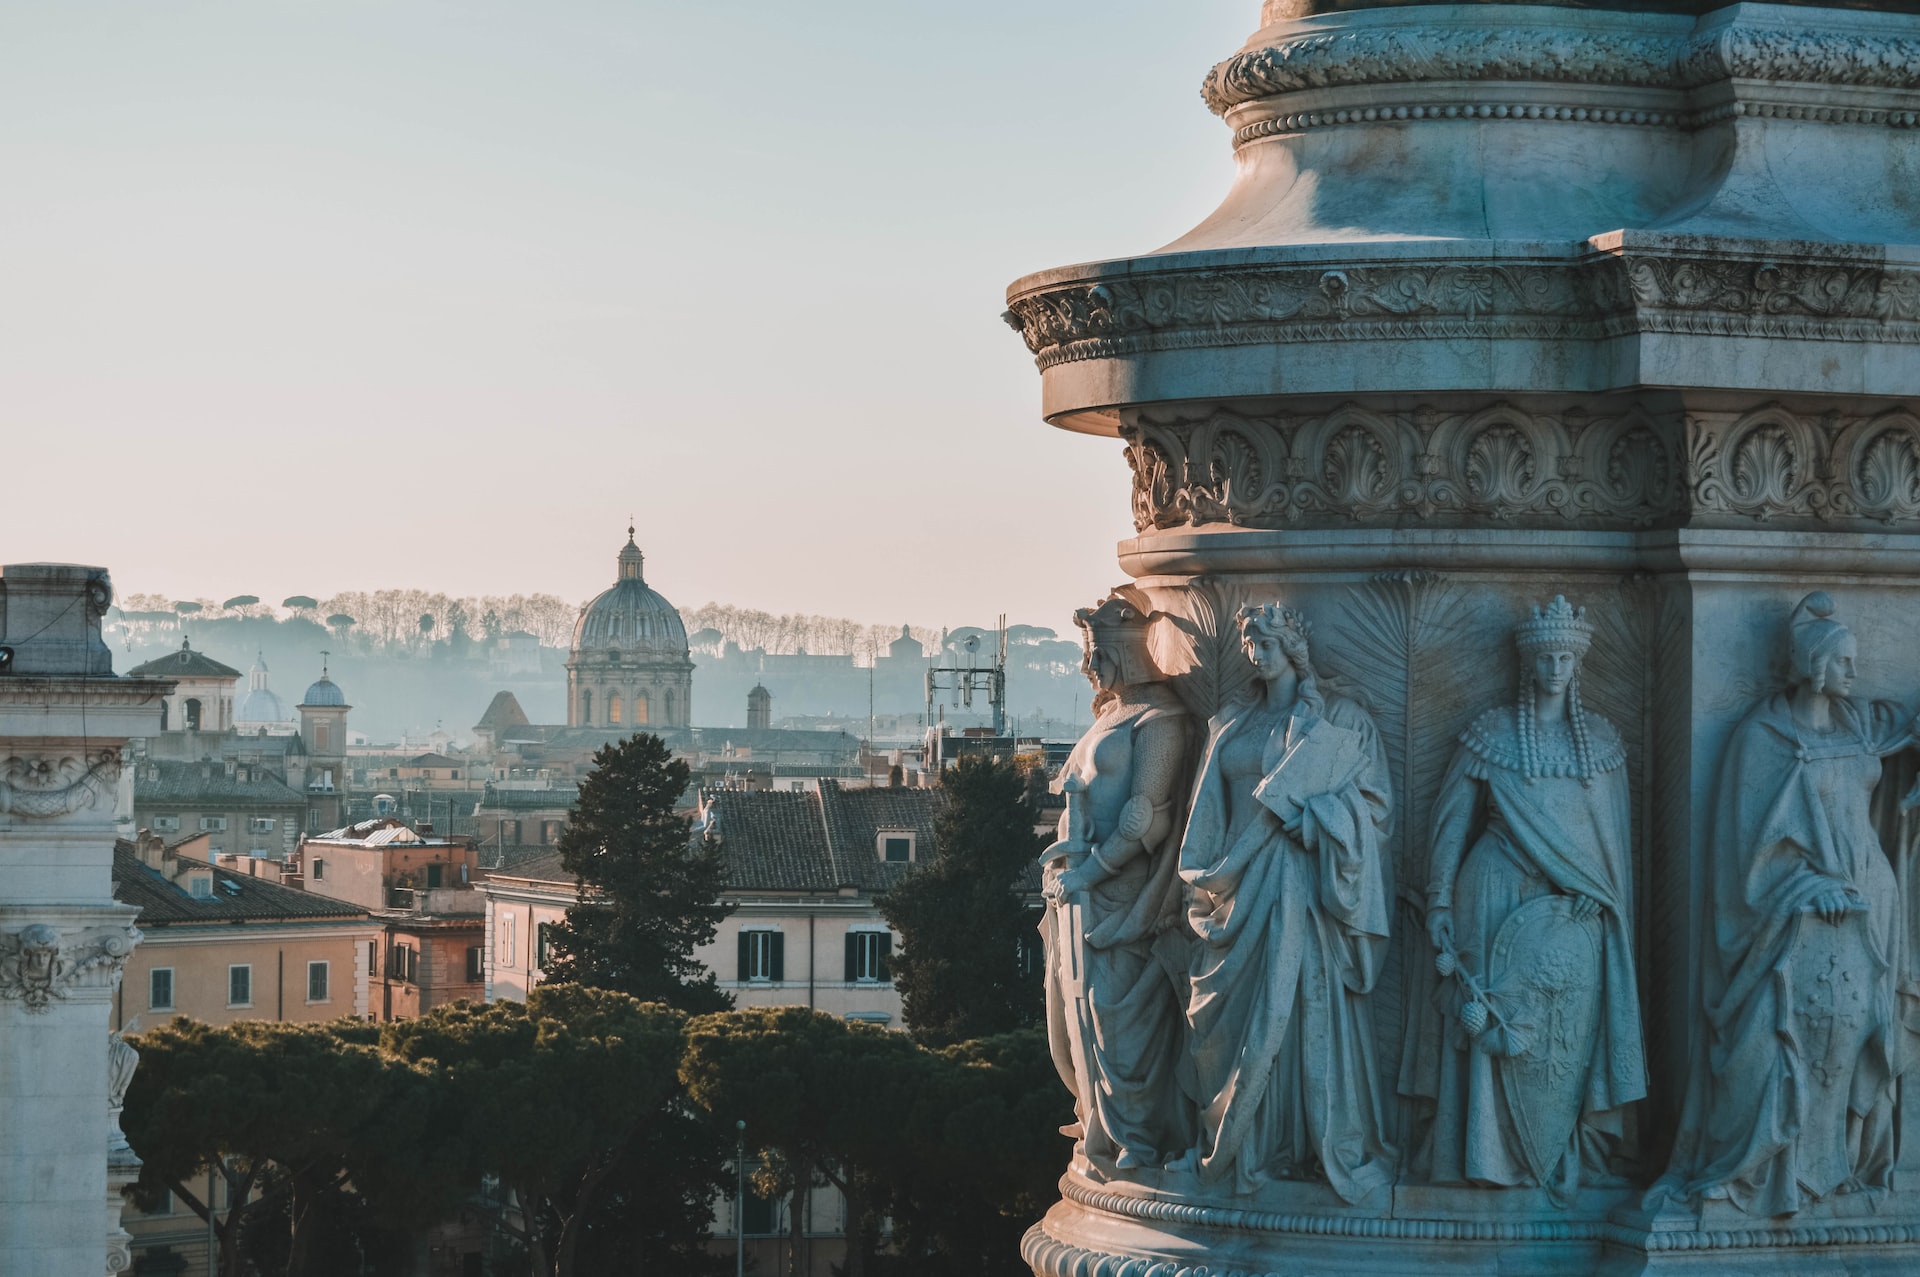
(853, 956)
(886, 956)
(779, 971)
(746, 956)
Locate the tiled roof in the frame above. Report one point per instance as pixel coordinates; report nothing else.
(185, 663)
(558, 798)
(504, 712)
(158, 780)
(236, 897)
(432, 760)
(773, 841)
(818, 841)
(542, 864)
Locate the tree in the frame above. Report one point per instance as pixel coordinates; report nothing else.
(962, 922)
(322, 1134)
(648, 898)
(573, 1100)
(824, 1100)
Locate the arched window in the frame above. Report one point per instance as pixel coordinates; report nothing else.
(640, 707)
(322, 737)
(613, 709)
(163, 716)
(586, 709)
(667, 708)
(193, 714)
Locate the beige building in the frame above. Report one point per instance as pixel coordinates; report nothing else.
(244, 808)
(222, 946)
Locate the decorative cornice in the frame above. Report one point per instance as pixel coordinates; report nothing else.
(1608, 295)
(41, 962)
(1407, 53)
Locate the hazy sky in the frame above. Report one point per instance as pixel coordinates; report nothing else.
(307, 295)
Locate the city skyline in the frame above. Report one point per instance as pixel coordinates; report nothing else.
(378, 296)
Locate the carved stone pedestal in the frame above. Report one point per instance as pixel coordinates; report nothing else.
(63, 939)
(1508, 303)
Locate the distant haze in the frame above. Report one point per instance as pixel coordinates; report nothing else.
(303, 298)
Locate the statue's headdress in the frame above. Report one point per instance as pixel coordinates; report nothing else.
(1815, 633)
(1557, 627)
(1272, 620)
(1118, 626)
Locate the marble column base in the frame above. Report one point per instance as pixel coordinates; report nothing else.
(1303, 1231)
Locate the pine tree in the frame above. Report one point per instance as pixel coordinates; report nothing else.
(648, 897)
(963, 925)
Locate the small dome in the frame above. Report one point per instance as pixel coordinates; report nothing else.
(262, 706)
(630, 620)
(324, 692)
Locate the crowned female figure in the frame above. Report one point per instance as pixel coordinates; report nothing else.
(1528, 908)
(1804, 970)
(1114, 930)
(1290, 901)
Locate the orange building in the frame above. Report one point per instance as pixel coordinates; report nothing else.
(222, 946)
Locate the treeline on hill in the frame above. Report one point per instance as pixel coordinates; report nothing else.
(593, 1130)
(381, 621)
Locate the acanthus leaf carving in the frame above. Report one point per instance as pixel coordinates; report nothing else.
(40, 962)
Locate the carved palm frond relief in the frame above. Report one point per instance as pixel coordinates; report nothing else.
(1200, 645)
(1405, 647)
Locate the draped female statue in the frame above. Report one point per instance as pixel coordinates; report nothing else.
(1115, 935)
(1290, 901)
(1806, 988)
(1528, 907)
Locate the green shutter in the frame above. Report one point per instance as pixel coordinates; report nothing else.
(886, 956)
(746, 956)
(853, 956)
(779, 971)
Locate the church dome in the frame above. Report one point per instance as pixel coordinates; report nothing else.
(630, 619)
(324, 692)
(262, 707)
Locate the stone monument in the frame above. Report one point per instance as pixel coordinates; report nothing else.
(64, 718)
(1552, 900)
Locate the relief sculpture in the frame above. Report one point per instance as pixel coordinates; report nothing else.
(1290, 900)
(1116, 950)
(1806, 991)
(1528, 911)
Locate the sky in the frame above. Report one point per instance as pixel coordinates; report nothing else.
(299, 296)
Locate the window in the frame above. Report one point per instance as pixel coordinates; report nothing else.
(455, 773)
(403, 964)
(261, 825)
(213, 824)
(542, 945)
(867, 954)
(613, 709)
(200, 886)
(476, 964)
(762, 957)
(896, 845)
(666, 703)
(503, 953)
(426, 773)
(166, 824)
(640, 708)
(322, 736)
(434, 875)
(586, 708)
(160, 989)
(240, 986)
(193, 715)
(797, 786)
(319, 869)
(317, 982)
(760, 1216)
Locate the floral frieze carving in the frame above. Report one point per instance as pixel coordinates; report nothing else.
(1770, 463)
(47, 788)
(1629, 468)
(1550, 53)
(40, 962)
(1355, 464)
(1603, 296)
